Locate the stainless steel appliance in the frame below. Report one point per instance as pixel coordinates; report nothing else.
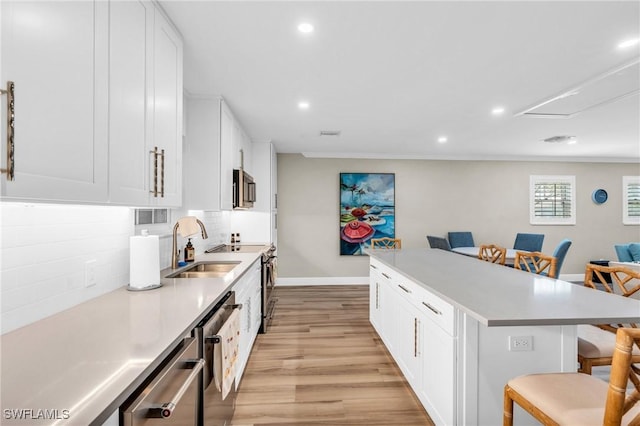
(244, 190)
(213, 409)
(171, 397)
(269, 271)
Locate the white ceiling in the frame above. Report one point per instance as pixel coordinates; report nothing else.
(394, 76)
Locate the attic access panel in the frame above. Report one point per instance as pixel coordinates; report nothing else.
(614, 85)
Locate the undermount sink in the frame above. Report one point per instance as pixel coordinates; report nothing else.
(206, 270)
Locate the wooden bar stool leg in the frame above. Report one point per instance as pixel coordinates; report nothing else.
(507, 416)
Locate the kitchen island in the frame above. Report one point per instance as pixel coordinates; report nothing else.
(459, 327)
(76, 367)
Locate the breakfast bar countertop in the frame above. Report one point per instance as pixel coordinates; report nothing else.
(497, 295)
(77, 366)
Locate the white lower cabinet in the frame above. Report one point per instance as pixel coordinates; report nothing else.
(246, 289)
(418, 329)
(437, 385)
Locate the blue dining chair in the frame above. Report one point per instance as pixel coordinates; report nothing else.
(560, 252)
(438, 243)
(461, 239)
(528, 242)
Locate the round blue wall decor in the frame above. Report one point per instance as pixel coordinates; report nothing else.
(599, 196)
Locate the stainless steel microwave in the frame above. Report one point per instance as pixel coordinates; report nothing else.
(244, 190)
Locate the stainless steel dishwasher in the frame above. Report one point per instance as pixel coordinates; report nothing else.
(171, 397)
(214, 410)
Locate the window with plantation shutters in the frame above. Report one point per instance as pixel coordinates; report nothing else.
(631, 200)
(552, 200)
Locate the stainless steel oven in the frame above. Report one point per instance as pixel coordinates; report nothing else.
(269, 272)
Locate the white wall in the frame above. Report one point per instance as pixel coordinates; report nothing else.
(489, 198)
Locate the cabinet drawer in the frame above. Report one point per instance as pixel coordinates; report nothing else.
(436, 309)
(397, 281)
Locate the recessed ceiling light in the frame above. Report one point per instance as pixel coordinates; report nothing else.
(303, 105)
(305, 28)
(629, 43)
(442, 139)
(497, 110)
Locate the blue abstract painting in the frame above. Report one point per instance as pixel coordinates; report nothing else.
(367, 209)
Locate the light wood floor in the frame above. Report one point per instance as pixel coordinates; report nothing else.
(321, 362)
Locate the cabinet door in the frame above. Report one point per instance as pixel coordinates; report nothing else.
(130, 114)
(226, 157)
(437, 390)
(56, 53)
(375, 308)
(201, 160)
(167, 113)
(408, 352)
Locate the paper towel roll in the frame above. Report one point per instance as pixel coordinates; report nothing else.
(144, 261)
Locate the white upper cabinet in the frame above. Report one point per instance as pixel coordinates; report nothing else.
(227, 150)
(145, 107)
(242, 149)
(167, 116)
(98, 85)
(129, 120)
(202, 155)
(56, 54)
(264, 172)
(212, 151)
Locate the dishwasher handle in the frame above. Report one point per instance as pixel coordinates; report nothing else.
(165, 410)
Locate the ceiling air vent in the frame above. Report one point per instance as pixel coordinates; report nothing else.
(560, 139)
(614, 85)
(329, 132)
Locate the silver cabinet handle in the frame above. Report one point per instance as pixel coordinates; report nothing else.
(415, 337)
(404, 288)
(11, 121)
(386, 276)
(432, 309)
(162, 174)
(373, 266)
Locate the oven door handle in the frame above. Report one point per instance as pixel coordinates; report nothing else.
(165, 410)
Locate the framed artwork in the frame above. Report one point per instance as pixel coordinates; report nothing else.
(367, 210)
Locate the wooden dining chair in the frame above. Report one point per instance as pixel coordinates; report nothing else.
(596, 342)
(386, 243)
(536, 263)
(492, 253)
(580, 399)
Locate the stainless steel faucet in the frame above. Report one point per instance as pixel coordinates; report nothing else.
(174, 249)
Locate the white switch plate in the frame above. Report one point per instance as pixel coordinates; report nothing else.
(90, 273)
(520, 343)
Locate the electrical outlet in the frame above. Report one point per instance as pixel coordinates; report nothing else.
(90, 273)
(520, 343)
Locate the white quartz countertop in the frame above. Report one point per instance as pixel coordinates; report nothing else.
(497, 295)
(89, 358)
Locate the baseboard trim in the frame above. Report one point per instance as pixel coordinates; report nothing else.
(284, 282)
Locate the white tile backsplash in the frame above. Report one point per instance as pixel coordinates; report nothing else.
(43, 254)
(45, 246)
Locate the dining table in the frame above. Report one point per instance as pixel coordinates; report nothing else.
(475, 251)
